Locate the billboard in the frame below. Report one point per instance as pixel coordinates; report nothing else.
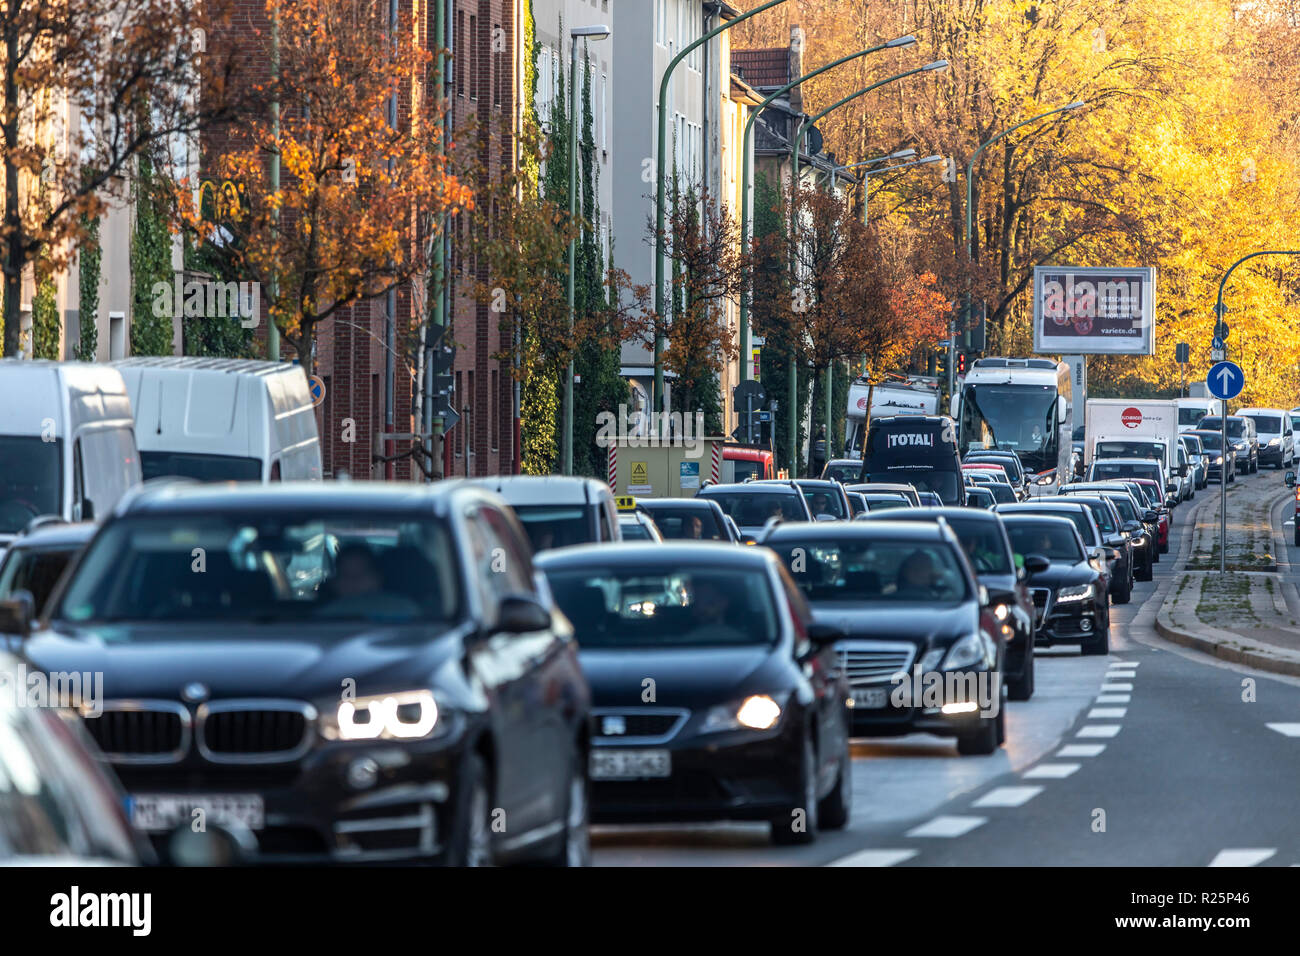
(1094, 311)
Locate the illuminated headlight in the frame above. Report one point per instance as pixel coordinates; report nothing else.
(1140, 542)
(1274, 441)
(1239, 446)
(1083, 592)
(1001, 612)
(406, 715)
(759, 712)
(1218, 460)
(969, 651)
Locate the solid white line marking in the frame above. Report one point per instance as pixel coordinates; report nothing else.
(1112, 688)
(1105, 713)
(1051, 771)
(1081, 750)
(1098, 730)
(947, 826)
(874, 858)
(1241, 857)
(1286, 730)
(1114, 698)
(1008, 797)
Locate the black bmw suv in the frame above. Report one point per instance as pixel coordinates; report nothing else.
(328, 672)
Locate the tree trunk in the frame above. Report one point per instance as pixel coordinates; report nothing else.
(13, 253)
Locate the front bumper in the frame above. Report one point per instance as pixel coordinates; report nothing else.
(1074, 622)
(1270, 454)
(896, 721)
(313, 815)
(734, 775)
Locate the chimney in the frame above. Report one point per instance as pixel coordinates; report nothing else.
(796, 67)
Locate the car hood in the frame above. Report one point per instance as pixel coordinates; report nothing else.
(683, 676)
(886, 621)
(245, 660)
(1061, 575)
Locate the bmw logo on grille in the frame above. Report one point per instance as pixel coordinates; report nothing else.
(194, 693)
(613, 725)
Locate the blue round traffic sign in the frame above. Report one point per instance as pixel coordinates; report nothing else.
(317, 386)
(1225, 380)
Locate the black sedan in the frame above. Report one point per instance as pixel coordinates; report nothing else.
(753, 504)
(985, 542)
(1069, 592)
(330, 672)
(923, 652)
(715, 693)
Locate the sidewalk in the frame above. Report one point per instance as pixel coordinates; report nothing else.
(1250, 614)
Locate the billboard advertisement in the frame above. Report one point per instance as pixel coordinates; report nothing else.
(1094, 311)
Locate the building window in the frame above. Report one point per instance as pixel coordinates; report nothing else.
(496, 411)
(498, 56)
(473, 58)
(604, 92)
(458, 54)
(544, 85)
(460, 430)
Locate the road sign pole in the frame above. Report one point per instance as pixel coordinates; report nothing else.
(1223, 493)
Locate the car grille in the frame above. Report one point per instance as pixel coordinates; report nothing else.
(865, 666)
(141, 731)
(616, 726)
(1042, 603)
(254, 731)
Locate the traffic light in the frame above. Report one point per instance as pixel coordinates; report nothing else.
(961, 363)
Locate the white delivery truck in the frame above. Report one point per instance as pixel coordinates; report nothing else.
(218, 419)
(913, 395)
(1132, 428)
(67, 442)
(1192, 410)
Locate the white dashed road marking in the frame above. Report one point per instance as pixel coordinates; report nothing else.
(947, 826)
(1114, 698)
(1051, 771)
(1286, 730)
(874, 858)
(1111, 688)
(1098, 730)
(1107, 713)
(1081, 750)
(1008, 797)
(1241, 857)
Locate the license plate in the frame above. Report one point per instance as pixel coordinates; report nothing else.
(630, 764)
(154, 812)
(873, 697)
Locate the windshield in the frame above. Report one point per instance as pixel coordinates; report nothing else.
(281, 567)
(754, 509)
(1211, 441)
(633, 530)
(747, 469)
(847, 472)
(979, 497)
(1101, 470)
(945, 484)
(1081, 521)
(886, 503)
(984, 546)
(1125, 508)
(827, 569)
(1131, 449)
(1010, 465)
(667, 607)
(1102, 515)
(1053, 541)
(157, 464)
(824, 503)
(555, 526)
(1236, 426)
(1000, 491)
(1193, 445)
(37, 571)
(690, 524)
(1191, 416)
(29, 480)
(1019, 418)
(1267, 424)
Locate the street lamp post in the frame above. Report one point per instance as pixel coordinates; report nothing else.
(970, 235)
(662, 145)
(599, 32)
(868, 173)
(795, 146)
(747, 162)
(1223, 416)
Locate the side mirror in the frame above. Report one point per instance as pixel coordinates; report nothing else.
(520, 614)
(1171, 502)
(824, 517)
(1036, 564)
(1290, 479)
(1150, 517)
(16, 614)
(1171, 486)
(1133, 527)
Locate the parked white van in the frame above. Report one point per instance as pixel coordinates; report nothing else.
(217, 419)
(67, 442)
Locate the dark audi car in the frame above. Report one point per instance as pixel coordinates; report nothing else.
(331, 672)
(915, 616)
(985, 542)
(1069, 592)
(715, 695)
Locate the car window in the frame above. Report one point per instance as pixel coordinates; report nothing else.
(853, 569)
(689, 524)
(756, 508)
(1054, 542)
(823, 502)
(517, 572)
(37, 571)
(666, 607)
(555, 526)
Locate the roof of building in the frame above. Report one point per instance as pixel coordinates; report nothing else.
(765, 66)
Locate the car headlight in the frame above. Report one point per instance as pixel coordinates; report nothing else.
(1082, 592)
(968, 651)
(1239, 446)
(757, 712)
(1274, 441)
(1218, 460)
(1001, 612)
(404, 715)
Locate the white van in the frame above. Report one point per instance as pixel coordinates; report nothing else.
(1276, 439)
(67, 442)
(559, 510)
(217, 419)
(1192, 410)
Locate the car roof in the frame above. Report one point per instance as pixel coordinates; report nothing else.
(1013, 507)
(945, 512)
(700, 504)
(751, 487)
(186, 497)
(1031, 516)
(670, 554)
(1128, 461)
(56, 534)
(875, 528)
(543, 489)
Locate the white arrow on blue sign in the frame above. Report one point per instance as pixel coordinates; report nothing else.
(1217, 344)
(1225, 380)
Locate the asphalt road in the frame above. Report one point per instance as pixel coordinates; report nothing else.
(1147, 757)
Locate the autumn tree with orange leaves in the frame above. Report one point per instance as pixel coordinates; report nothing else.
(358, 199)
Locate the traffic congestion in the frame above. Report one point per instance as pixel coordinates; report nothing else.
(337, 672)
